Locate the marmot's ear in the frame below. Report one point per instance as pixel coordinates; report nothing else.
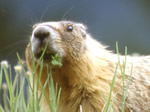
(83, 29)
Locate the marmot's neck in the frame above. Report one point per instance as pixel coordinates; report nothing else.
(84, 80)
(82, 71)
(73, 72)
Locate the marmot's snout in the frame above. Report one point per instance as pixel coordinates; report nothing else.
(41, 36)
(41, 33)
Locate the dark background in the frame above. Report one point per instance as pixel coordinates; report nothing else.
(125, 21)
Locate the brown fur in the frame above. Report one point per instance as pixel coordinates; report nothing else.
(87, 71)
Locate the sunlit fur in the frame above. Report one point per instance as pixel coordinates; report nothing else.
(87, 71)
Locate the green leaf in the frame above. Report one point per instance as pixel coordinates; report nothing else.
(56, 60)
(1, 109)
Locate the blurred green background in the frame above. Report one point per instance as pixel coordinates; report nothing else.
(125, 21)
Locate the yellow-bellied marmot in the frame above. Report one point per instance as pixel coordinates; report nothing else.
(87, 69)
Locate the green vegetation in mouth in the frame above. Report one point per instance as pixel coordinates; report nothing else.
(56, 60)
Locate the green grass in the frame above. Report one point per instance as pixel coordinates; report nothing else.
(14, 89)
(122, 68)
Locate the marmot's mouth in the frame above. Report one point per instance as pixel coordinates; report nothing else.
(47, 56)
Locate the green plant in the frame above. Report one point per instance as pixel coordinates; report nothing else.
(122, 68)
(14, 97)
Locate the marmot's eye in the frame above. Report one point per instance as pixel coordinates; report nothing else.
(69, 28)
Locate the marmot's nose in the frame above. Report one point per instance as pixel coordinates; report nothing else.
(41, 33)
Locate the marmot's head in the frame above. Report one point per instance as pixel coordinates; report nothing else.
(64, 38)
